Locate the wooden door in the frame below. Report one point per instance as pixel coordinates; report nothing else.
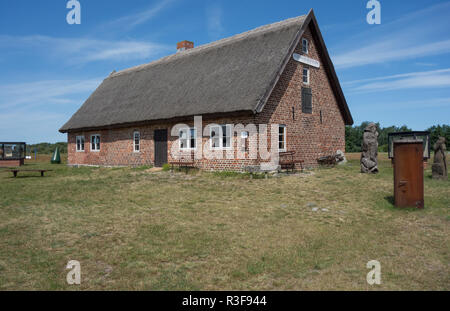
(408, 174)
(160, 138)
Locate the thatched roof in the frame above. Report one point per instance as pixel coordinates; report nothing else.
(230, 75)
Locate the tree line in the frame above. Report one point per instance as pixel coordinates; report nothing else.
(354, 135)
(46, 148)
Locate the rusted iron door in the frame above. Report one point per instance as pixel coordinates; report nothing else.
(408, 174)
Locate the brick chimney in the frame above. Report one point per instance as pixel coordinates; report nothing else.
(184, 45)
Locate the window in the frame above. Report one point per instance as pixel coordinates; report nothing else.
(282, 138)
(95, 142)
(136, 141)
(193, 140)
(226, 137)
(215, 137)
(306, 75)
(306, 100)
(244, 141)
(188, 138)
(305, 46)
(220, 136)
(80, 143)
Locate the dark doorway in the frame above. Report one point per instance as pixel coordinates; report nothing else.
(160, 137)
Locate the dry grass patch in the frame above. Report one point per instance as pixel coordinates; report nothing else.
(133, 228)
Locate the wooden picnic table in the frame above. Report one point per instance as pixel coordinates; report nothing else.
(15, 171)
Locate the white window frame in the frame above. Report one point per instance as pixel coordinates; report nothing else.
(188, 138)
(95, 143)
(245, 135)
(284, 138)
(305, 46)
(221, 131)
(308, 74)
(134, 142)
(76, 143)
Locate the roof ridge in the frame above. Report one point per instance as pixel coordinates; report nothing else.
(265, 28)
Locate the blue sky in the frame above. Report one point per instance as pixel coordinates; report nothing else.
(395, 73)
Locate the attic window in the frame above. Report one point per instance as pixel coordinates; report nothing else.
(306, 76)
(282, 138)
(305, 46)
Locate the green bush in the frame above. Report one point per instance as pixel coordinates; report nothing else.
(383, 148)
(166, 167)
(354, 135)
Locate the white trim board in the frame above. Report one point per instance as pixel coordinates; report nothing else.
(306, 60)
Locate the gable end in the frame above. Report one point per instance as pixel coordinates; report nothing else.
(329, 67)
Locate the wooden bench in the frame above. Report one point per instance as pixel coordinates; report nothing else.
(185, 161)
(287, 161)
(18, 170)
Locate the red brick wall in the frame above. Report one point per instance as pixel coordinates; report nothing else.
(116, 148)
(306, 135)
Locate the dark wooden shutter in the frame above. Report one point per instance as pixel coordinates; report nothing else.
(306, 100)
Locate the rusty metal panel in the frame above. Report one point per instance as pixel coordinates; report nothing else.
(408, 174)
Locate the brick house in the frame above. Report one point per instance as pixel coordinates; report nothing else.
(279, 74)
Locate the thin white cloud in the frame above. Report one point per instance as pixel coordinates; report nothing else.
(34, 111)
(386, 51)
(214, 22)
(407, 105)
(44, 93)
(130, 21)
(402, 75)
(83, 50)
(32, 127)
(414, 80)
(409, 37)
(425, 64)
(420, 104)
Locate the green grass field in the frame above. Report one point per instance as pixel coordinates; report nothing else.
(133, 229)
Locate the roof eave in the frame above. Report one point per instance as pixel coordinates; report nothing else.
(332, 72)
(237, 113)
